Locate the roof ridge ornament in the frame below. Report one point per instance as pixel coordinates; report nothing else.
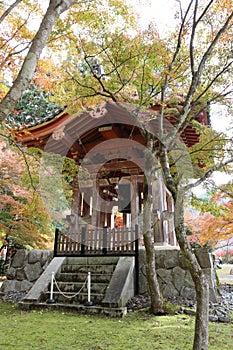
(59, 133)
(99, 111)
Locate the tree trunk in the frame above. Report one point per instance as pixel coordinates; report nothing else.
(199, 279)
(55, 9)
(202, 313)
(157, 305)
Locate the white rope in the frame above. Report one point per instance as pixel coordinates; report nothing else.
(70, 296)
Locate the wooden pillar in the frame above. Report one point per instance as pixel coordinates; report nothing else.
(159, 197)
(73, 218)
(170, 221)
(75, 206)
(125, 219)
(134, 201)
(109, 219)
(171, 231)
(106, 211)
(95, 218)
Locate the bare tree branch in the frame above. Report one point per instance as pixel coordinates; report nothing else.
(8, 11)
(208, 174)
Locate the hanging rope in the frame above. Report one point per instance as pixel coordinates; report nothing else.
(73, 295)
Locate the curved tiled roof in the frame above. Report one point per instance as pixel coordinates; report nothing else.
(33, 109)
(82, 131)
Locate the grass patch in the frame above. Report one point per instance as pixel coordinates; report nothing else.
(47, 330)
(225, 270)
(224, 273)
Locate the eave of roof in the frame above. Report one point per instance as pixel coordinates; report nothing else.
(82, 129)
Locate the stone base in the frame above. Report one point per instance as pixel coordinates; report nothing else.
(173, 275)
(26, 268)
(80, 309)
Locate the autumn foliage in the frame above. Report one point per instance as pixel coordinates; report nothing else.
(213, 220)
(22, 214)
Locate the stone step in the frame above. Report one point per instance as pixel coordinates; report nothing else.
(69, 298)
(79, 309)
(93, 260)
(104, 269)
(73, 274)
(81, 277)
(75, 287)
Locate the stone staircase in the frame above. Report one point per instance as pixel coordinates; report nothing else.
(112, 285)
(73, 275)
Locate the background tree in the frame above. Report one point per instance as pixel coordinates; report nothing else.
(50, 30)
(214, 222)
(15, 37)
(22, 213)
(25, 75)
(30, 208)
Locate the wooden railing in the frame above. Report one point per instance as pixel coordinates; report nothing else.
(100, 241)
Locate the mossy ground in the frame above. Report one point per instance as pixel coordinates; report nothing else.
(46, 330)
